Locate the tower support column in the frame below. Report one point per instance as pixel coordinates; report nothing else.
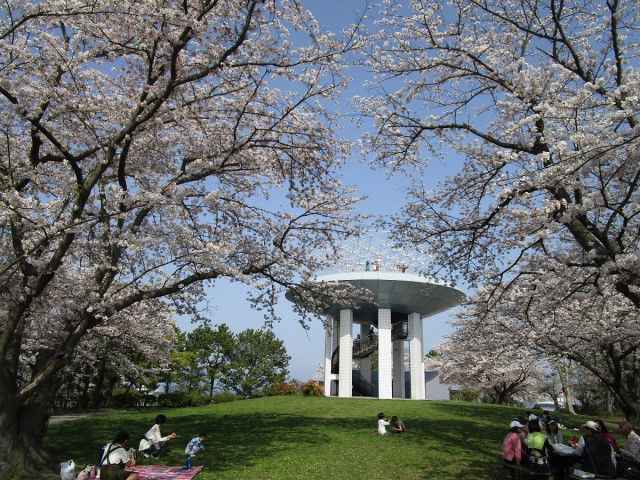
(328, 351)
(384, 353)
(345, 374)
(365, 363)
(398, 369)
(416, 357)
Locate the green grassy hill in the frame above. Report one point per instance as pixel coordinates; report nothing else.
(278, 438)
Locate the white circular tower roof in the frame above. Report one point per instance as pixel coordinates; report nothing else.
(374, 263)
(402, 293)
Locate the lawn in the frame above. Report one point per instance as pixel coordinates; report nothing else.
(279, 438)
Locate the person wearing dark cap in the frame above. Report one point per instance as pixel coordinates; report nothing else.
(545, 419)
(597, 454)
(553, 433)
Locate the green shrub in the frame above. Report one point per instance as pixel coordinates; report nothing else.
(281, 389)
(126, 398)
(465, 395)
(311, 388)
(183, 399)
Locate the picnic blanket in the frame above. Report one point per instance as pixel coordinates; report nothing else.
(161, 472)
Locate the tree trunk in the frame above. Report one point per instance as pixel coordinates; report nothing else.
(113, 381)
(568, 395)
(97, 395)
(22, 429)
(629, 403)
(84, 396)
(563, 371)
(609, 403)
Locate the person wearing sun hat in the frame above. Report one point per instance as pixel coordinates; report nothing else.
(597, 454)
(512, 446)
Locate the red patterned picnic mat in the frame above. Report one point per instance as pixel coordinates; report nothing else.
(160, 472)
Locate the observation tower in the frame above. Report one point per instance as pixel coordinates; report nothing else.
(389, 322)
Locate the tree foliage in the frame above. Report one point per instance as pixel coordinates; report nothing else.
(209, 354)
(147, 148)
(483, 357)
(259, 361)
(540, 101)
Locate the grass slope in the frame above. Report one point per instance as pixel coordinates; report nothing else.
(281, 438)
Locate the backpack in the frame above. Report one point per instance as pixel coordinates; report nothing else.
(102, 450)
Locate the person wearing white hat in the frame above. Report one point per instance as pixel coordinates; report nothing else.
(597, 454)
(512, 447)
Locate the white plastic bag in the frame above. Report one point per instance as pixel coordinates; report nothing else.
(564, 449)
(85, 474)
(68, 470)
(580, 474)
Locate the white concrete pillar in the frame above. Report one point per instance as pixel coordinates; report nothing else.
(345, 370)
(398, 369)
(365, 363)
(384, 353)
(335, 339)
(328, 351)
(416, 357)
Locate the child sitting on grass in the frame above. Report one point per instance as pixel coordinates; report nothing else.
(382, 423)
(398, 425)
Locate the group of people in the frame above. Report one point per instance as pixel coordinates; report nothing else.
(397, 426)
(116, 459)
(538, 444)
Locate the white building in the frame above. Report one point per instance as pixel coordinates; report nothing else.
(395, 313)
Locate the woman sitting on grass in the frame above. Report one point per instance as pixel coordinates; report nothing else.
(116, 459)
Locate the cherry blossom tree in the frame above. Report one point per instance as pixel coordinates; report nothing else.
(487, 358)
(568, 322)
(560, 381)
(129, 349)
(148, 148)
(540, 101)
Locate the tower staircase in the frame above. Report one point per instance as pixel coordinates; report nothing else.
(363, 347)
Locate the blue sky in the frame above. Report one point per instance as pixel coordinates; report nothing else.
(385, 197)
